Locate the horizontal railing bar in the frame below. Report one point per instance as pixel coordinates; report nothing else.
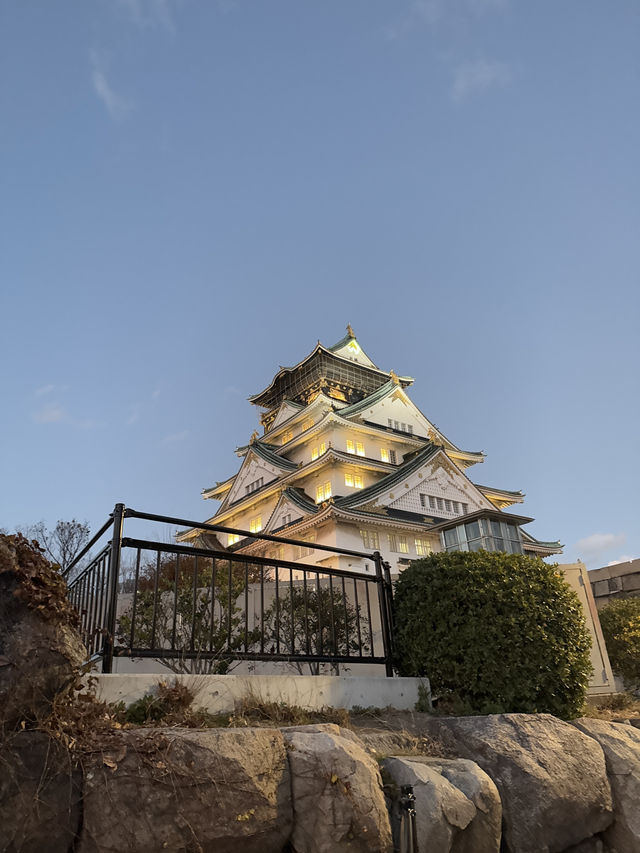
(216, 528)
(91, 566)
(235, 557)
(224, 655)
(89, 545)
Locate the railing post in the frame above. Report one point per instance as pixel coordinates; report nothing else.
(387, 642)
(388, 588)
(114, 575)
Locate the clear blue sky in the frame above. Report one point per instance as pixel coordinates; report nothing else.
(193, 192)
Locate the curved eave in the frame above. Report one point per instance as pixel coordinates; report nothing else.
(321, 402)
(502, 496)
(473, 457)
(219, 489)
(538, 546)
(381, 519)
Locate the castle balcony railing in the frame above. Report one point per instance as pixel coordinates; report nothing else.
(209, 607)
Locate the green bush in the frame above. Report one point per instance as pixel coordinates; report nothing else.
(620, 621)
(494, 633)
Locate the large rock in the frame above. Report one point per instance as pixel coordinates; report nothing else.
(621, 745)
(39, 795)
(338, 801)
(484, 833)
(551, 777)
(40, 652)
(591, 845)
(214, 791)
(382, 743)
(457, 805)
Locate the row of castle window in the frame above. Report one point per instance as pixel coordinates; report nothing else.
(353, 480)
(253, 487)
(431, 502)
(400, 426)
(323, 492)
(398, 543)
(356, 448)
(255, 526)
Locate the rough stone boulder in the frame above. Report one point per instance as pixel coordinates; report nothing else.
(40, 652)
(621, 745)
(381, 743)
(551, 777)
(39, 795)
(457, 805)
(338, 801)
(591, 845)
(215, 791)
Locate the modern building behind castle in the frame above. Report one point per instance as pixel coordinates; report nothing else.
(347, 459)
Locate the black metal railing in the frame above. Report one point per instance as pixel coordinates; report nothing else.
(176, 602)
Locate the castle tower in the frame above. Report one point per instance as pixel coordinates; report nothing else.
(347, 459)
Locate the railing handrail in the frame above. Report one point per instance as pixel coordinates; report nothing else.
(84, 572)
(89, 545)
(238, 557)
(217, 528)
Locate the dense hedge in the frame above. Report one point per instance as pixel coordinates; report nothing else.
(494, 633)
(620, 622)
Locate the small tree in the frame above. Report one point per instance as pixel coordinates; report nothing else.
(493, 632)
(620, 621)
(200, 619)
(321, 621)
(63, 543)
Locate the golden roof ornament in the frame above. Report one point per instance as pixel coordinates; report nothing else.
(254, 435)
(394, 377)
(350, 331)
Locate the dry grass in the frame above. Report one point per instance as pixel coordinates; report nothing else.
(252, 711)
(618, 706)
(84, 724)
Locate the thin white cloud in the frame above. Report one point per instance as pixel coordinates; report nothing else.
(593, 547)
(175, 437)
(44, 390)
(52, 413)
(55, 413)
(474, 78)
(117, 106)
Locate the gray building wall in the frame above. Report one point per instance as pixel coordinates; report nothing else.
(611, 582)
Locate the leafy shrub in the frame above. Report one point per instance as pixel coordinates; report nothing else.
(620, 621)
(494, 633)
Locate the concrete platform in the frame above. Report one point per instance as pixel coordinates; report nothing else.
(219, 693)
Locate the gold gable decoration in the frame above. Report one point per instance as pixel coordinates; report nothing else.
(373, 507)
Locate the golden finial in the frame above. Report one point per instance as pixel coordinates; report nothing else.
(394, 377)
(254, 435)
(350, 331)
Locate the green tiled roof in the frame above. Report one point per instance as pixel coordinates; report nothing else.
(343, 342)
(300, 499)
(555, 545)
(380, 394)
(266, 451)
(517, 494)
(397, 476)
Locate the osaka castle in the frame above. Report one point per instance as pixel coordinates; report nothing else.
(345, 458)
